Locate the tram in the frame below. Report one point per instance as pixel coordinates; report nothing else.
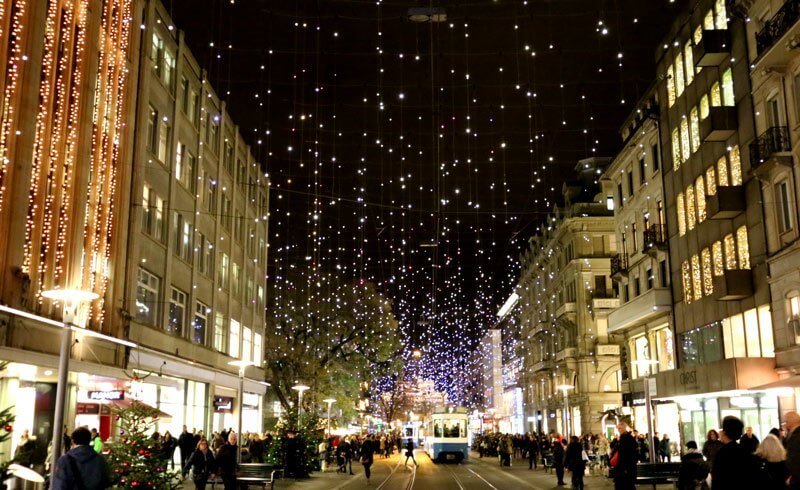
(446, 437)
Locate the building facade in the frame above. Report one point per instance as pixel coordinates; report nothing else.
(566, 294)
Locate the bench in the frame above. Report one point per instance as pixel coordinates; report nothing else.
(657, 473)
(256, 474)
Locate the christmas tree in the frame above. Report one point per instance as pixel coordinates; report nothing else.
(135, 457)
(6, 419)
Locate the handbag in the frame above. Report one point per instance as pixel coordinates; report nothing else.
(614, 460)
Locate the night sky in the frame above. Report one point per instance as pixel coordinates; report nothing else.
(380, 134)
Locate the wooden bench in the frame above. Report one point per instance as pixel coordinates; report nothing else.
(254, 474)
(654, 473)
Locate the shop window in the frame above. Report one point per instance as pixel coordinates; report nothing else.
(148, 290)
(687, 281)
(783, 206)
(665, 350)
(733, 334)
(679, 79)
(691, 213)
(676, 149)
(687, 55)
(681, 209)
(716, 254)
(701, 345)
(716, 95)
(730, 252)
(247, 344)
(177, 312)
(700, 196)
(219, 332)
(722, 171)
(743, 246)
(201, 312)
(641, 352)
(736, 165)
(727, 88)
(686, 149)
(711, 183)
(708, 279)
(720, 15)
(671, 86)
(703, 107)
(697, 278)
(749, 334)
(766, 331)
(233, 341)
(694, 125)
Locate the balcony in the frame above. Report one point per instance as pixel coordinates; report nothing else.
(733, 285)
(655, 239)
(566, 308)
(784, 25)
(603, 300)
(771, 149)
(568, 353)
(542, 366)
(619, 267)
(538, 328)
(640, 310)
(721, 124)
(606, 350)
(713, 48)
(727, 203)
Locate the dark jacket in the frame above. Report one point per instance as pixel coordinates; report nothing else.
(627, 457)
(792, 444)
(558, 455)
(92, 467)
(734, 467)
(187, 444)
(749, 443)
(533, 447)
(201, 465)
(573, 459)
(367, 451)
(693, 471)
(226, 461)
(410, 447)
(710, 449)
(773, 475)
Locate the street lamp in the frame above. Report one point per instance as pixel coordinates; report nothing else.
(648, 403)
(242, 365)
(300, 388)
(329, 401)
(71, 300)
(564, 389)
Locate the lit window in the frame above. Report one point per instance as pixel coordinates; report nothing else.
(233, 344)
(716, 95)
(147, 300)
(691, 217)
(687, 282)
(721, 17)
(716, 251)
(694, 125)
(676, 149)
(744, 247)
(708, 279)
(685, 147)
(679, 80)
(727, 88)
(704, 107)
(258, 349)
(671, 86)
(201, 313)
(722, 172)
(177, 312)
(163, 141)
(687, 55)
(708, 21)
(793, 305)
(765, 327)
(711, 184)
(697, 278)
(700, 195)
(219, 332)
(730, 252)
(681, 205)
(736, 166)
(784, 206)
(247, 344)
(698, 34)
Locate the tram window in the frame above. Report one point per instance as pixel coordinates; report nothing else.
(453, 428)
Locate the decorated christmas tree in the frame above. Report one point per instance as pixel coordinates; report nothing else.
(6, 419)
(134, 456)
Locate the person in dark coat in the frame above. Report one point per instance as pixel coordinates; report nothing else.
(749, 440)
(226, 460)
(256, 449)
(201, 465)
(533, 451)
(187, 445)
(792, 444)
(734, 466)
(558, 461)
(711, 446)
(410, 452)
(81, 467)
(772, 459)
(168, 445)
(368, 449)
(626, 459)
(575, 462)
(694, 469)
(665, 448)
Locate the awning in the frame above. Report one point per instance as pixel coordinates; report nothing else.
(125, 404)
(790, 382)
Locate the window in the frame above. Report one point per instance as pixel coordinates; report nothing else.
(716, 95)
(721, 16)
(679, 80)
(201, 251)
(704, 107)
(641, 352)
(224, 265)
(701, 345)
(233, 344)
(784, 207)
(662, 271)
(697, 278)
(687, 55)
(656, 152)
(211, 195)
(212, 132)
(681, 208)
(708, 278)
(637, 287)
(630, 182)
(184, 94)
(619, 192)
(685, 146)
(649, 277)
(722, 172)
(730, 252)
(708, 21)
(716, 255)
(177, 312)
(227, 159)
(698, 35)
(219, 332)
(700, 195)
(152, 213)
(235, 279)
(671, 86)
(711, 184)
(633, 237)
(736, 165)
(152, 129)
(147, 292)
(641, 170)
(665, 351)
(226, 216)
(749, 334)
(184, 167)
(249, 290)
(262, 250)
(694, 125)
(182, 234)
(743, 246)
(163, 140)
(163, 61)
(687, 281)
(260, 292)
(727, 88)
(258, 349)
(691, 217)
(201, 313)
(247, 344)
(676, 149)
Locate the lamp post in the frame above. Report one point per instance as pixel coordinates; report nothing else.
(564, 389)
(299, 388)
(71, 300)
(329, 401)
(242, 365)
(648, 403)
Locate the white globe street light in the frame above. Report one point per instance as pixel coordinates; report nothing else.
(329, 401)
(300, 388)
(242, 365)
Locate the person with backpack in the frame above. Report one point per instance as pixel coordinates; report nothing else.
(81, 468)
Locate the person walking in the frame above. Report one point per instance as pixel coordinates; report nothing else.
(168, 445)
(624, 460)
(200, 465)
(367, 455)
(711, 447)
(792, 444)
(693, 470)
(226, 462)
(256, 449)
(558, 461)
(772, 459)
(187, 445)
(533, 451)
(734, 467)
(345, 452)
(410, 452)
(575, 461)
(81, 467)
(665, 449)
(749, 440)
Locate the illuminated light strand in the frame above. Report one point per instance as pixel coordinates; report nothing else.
(10, 93)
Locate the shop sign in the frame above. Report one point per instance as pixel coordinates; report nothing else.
(688, 378)
(87, 408)
(250, 401)
(223, 404)
(107, 395)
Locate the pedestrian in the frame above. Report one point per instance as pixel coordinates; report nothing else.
(508, 449)
(575, 461)
(734, 467)
(97, 441)
(656, 448)
(367, 454)
(624, 460)
(694, 469)
(226, 462)
(711, 447)
(200, 465)
(533, 451)
(344, 454)
(665, 449)
(558, 461)
(772, 459)
(256, 449)
(792, 444)
(749, 440)
(482, 447)
(410, 452)
(81, 467)
(187, 445)
(168, 445)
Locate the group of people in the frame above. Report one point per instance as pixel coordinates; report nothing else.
(364, 449)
